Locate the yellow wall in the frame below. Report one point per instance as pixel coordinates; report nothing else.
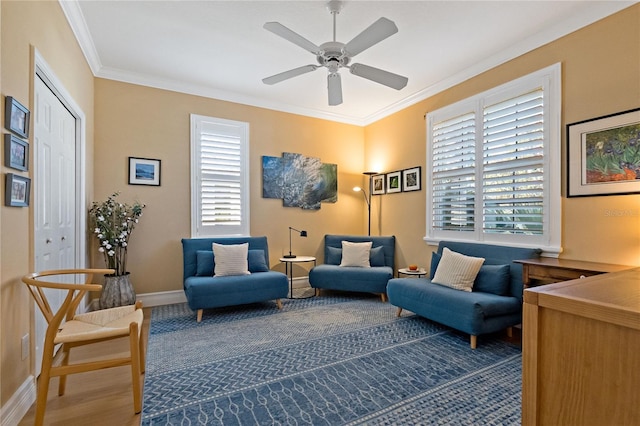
(151, 123)
(601, 75)
(25, 25)
(601, 65)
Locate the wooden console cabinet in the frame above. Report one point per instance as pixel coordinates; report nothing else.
(581, 352)
(546, 270)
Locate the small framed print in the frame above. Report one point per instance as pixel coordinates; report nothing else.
(144, 171)
(17, 191)
(411, 179)
(393, 182)
(16, 153)
(377, 184)
(16, 117)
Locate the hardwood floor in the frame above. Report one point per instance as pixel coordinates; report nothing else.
(98, 397)
(105, 397)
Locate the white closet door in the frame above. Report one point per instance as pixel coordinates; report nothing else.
(54, 193)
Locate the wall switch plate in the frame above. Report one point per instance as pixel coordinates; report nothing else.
(25, 346)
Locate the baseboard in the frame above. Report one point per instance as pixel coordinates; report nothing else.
(151, 299)
(301, 282)
(177, 296)
(17, 406)
(162, 298)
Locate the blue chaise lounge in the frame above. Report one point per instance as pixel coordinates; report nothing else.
(204, 290)
(373, 279)
(494, 304)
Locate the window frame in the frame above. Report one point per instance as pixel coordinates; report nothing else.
(198, 230)
(549, 79)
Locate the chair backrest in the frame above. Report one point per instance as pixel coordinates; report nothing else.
(35, 282)
(496, 255)
(387, 242)
(191, 246)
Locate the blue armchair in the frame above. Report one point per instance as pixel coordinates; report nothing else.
(204, 290)
(369, 280)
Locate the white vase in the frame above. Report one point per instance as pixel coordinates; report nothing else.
(117, 291)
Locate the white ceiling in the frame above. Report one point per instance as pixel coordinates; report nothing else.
(219, 49)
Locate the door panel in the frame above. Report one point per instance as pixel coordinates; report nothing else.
(54, 190)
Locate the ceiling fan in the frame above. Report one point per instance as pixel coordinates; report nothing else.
(334, 55)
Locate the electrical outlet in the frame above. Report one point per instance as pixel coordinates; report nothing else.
(25, 346)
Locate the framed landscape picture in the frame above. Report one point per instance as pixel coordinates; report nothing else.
(144, 171)
(604, 155)
(393, 182)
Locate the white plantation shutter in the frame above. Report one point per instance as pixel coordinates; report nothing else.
(513, 165)
(453, 174)
(493, 165)
(220, 175)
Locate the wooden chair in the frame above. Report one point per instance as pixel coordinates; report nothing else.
(83, 329)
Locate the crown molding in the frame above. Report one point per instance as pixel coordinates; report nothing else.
(222, 95)
(598, 12)
(73, 13)
(75, 18)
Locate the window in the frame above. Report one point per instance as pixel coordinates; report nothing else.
(493, 163)
(219, 177)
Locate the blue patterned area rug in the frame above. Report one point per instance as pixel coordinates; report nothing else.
(339, 359)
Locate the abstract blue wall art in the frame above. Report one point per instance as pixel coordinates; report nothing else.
(300, 181)
(272, 178)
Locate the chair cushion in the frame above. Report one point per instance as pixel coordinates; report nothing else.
(349, 278)
(100, 324)
(457, 271)
(356, 254)
(231, 259)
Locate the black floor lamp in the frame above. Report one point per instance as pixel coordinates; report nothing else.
(302, 234)
(367, 199)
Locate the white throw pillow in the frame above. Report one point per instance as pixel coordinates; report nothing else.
(231, 259)
(456, 270)
(356, 254)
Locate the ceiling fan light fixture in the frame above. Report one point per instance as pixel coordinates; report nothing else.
(334, 88)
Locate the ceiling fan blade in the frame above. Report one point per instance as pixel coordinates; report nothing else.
(334, 84)
(375, 33)
(379, 76)
(295, 38)
(289, 74)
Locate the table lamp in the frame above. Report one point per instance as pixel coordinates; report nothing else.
(302, 234)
